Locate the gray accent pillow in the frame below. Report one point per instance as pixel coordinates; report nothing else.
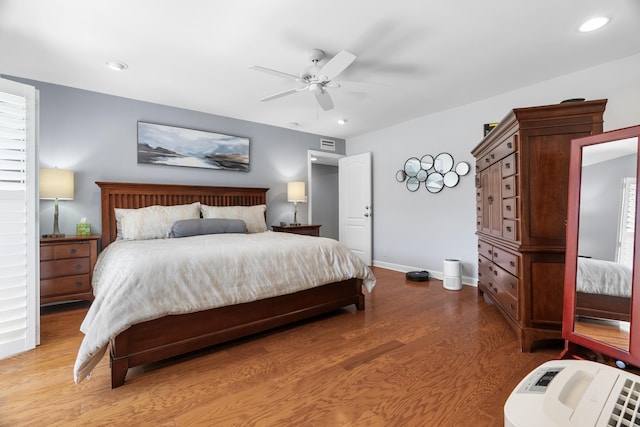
(195, 227)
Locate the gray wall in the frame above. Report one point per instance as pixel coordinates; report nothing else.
(600, 198)
(95, 135)
(419, 230)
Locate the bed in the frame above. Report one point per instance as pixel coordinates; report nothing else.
(173, 334)
(603, 289)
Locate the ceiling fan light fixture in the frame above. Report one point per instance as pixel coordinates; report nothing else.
(594, 24)
(315, 88)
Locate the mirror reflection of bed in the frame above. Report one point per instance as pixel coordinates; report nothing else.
(605, 242)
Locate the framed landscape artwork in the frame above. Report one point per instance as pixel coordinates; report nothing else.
(174, 146)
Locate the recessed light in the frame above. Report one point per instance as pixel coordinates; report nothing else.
(117, 65)
(594, 24)
(342, 121)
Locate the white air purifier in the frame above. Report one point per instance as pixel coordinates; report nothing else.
(574, 393)
(452, 279)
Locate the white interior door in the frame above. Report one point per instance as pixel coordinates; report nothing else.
(354, 181)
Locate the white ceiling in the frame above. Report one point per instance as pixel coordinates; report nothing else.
(419, 56)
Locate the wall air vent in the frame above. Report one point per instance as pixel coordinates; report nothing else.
(327, 144)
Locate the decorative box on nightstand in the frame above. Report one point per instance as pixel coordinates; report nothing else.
(66, 266)
(304, 229)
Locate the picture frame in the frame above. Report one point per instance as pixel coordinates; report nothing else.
(176, 146)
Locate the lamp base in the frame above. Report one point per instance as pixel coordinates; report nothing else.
(295, 223)
(49, 236)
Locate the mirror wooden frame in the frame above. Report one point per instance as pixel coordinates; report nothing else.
(574, 341)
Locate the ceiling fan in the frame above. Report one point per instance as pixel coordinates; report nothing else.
(315, 79)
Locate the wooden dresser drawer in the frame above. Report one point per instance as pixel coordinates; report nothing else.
(505, 281)
(509, 166)
(510, 229)
(509, 187)
(507, 260)
(485, 249)
(63, 251)
(484, 272)
(510, 208)
(64, 267)
(505, 299)
(505, 148)
(65, 285)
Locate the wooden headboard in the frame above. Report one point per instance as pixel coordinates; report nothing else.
(135, 195)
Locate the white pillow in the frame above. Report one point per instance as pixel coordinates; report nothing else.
(152, 222)
(253, 216)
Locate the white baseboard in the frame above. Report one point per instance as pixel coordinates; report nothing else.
(469, 281)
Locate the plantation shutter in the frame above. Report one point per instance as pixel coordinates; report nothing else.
(19, 245)
(627, 223)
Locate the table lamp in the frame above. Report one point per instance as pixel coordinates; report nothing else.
(56, 184)
(295, 194)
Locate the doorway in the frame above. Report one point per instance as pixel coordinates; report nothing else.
(323, 192)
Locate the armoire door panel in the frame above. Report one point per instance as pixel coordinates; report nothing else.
(547, 286)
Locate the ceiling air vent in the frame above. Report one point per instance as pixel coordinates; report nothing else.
(327, 144)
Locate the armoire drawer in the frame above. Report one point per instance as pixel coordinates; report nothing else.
(485, 249)
(484, 271)
(505, 148)
(510, 229)
(510, 208)
(507, 260)
(505, 281)
(509, 187)
(505, 299)
(509, 166)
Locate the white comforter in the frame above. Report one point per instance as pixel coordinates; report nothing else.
(136, 281)
(595, 276)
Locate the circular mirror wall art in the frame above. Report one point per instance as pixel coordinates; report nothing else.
(443, 163)
(462, 168)
(435, 182)
(412, 166)
(426, 162)
(413, 184)
(436, 173)
(451, 179)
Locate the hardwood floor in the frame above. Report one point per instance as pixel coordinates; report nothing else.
(418, 355)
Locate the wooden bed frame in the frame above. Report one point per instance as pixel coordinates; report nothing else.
(173, 335)
(603, 306)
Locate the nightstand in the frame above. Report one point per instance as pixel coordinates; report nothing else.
(66, 266)
(304, 229)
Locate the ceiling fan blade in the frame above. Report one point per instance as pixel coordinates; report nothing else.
(281, 94)
(324, 99)
(275, 72)
(337, 64)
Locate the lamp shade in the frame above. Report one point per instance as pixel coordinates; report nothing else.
(295, 191)
(56, 184)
